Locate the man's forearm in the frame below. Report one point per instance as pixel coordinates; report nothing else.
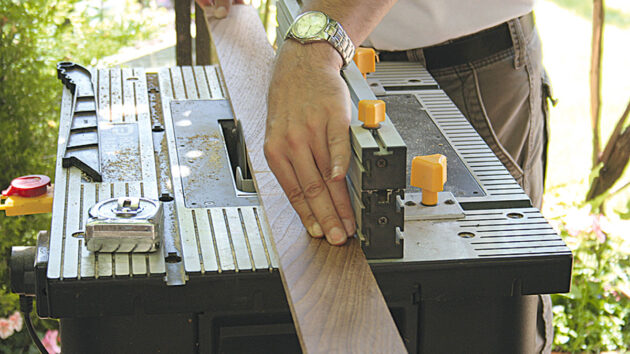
(357, 17)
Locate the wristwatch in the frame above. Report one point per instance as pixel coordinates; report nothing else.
(316, 26)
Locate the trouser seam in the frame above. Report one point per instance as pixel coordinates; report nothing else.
(523, 60)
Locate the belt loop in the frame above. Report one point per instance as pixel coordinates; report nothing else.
(417, 55)
(518, 41)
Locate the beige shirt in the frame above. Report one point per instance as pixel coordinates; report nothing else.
(421, 23)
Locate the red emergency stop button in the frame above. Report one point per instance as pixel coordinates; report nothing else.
(28, 186)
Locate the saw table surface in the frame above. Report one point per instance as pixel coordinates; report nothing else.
(237, 267)
(220, 239)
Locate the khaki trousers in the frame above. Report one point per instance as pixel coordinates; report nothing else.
(504, 96)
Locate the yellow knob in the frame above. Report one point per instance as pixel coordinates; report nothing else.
(371, 113)
(365, 58)
(429, 173)
(16, 205)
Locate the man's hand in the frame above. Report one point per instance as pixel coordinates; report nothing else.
(307, 143)
(218, 8)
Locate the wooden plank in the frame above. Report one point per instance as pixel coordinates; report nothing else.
(334, 299)
(202, 38)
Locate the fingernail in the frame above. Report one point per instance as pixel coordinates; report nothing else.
(336, 172)
(316, 230)
(337, 236)
(220, 12)
(349, 226)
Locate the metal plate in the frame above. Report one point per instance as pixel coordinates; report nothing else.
(423, 137)
(204, 165)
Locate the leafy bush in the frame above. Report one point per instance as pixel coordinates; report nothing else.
(34, 36)
(595, 315)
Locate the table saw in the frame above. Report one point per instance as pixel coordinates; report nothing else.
(159, 156)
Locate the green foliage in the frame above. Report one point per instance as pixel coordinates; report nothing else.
(595, 315)
(34, 36)
(584, 8)
(625, 215)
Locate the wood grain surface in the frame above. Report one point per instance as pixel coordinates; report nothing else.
(335, 301)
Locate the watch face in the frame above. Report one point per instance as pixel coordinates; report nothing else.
(310, 24)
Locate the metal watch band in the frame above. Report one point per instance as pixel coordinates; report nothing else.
(333, 33)
(342, 43)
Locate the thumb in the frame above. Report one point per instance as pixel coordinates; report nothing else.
(221, 8)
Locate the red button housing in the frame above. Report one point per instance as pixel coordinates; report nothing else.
(28, 186)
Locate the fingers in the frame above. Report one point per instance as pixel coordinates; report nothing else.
(340, 150)
(337, 188)
(340, 197)
(289, 183)
(316, 193)
(339, 147)
(302, 182)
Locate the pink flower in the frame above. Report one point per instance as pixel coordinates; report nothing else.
(51, 341)
(6, 329)
(16, 321)
(597, 228)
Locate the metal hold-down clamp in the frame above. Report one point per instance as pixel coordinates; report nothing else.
(127, 224)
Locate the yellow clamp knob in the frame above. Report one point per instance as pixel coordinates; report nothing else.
(371, 113)
(365, 58)
(429, 173)
(26, 195)
(16, 205)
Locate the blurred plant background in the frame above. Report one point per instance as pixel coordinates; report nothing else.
(587, 196)
(593, 317)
